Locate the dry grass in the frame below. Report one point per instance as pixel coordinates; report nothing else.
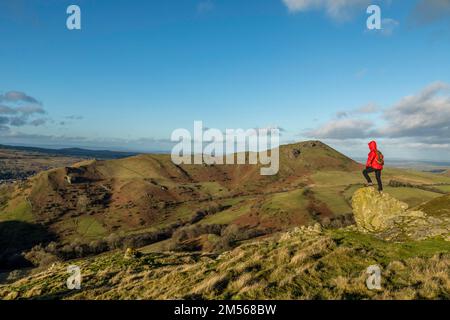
(302, 264)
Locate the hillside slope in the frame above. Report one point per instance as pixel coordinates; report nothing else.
(411, 249)
(96, 206)
(301, 264)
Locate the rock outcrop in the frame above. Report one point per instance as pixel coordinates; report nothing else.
(390, 218)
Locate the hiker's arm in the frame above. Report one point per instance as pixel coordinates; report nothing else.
(370, 159)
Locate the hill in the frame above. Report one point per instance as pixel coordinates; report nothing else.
(150, 189)
(99, 205)
(71, 152)
(19, 163)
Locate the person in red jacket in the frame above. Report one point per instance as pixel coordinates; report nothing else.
(375, 162)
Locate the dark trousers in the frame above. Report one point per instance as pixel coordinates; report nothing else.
(377, 175)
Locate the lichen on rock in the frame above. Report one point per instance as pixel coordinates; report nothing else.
(390, 219)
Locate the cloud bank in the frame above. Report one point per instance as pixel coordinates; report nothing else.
(337, 9)
(422, 118)
(17, 109)
(429, 11)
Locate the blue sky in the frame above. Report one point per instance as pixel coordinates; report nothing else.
(140, 69)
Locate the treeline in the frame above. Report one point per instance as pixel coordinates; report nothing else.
(401, 184)
(44, 255)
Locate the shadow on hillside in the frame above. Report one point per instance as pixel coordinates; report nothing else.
(17, 237)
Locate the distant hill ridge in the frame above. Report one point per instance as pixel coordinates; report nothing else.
(74, 152)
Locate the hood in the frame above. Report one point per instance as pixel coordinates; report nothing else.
(372, 145)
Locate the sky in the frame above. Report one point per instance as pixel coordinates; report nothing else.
(137, 70)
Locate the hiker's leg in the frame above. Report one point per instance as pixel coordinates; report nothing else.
(380, 183)
(366, 174)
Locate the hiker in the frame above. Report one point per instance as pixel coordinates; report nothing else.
(375, 163)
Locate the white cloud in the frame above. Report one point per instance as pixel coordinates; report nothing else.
(337, 9)
(205, 6)
(361, 73)
(17, 96)
(425, 114)
(369, 108)
(342, 129)
(388, 26)
(18, 109)
(430, 11)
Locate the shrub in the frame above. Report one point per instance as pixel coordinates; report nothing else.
(233, 234)
(40, 257)
(182, 236)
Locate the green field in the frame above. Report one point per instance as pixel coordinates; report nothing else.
(21, 211)
(336, 178)
(227, 216)
(284, 202)
(444, 188)
(412, 196)
(85, 228)
(334, 199)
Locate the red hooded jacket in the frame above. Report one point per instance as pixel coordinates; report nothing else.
(372, 158)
